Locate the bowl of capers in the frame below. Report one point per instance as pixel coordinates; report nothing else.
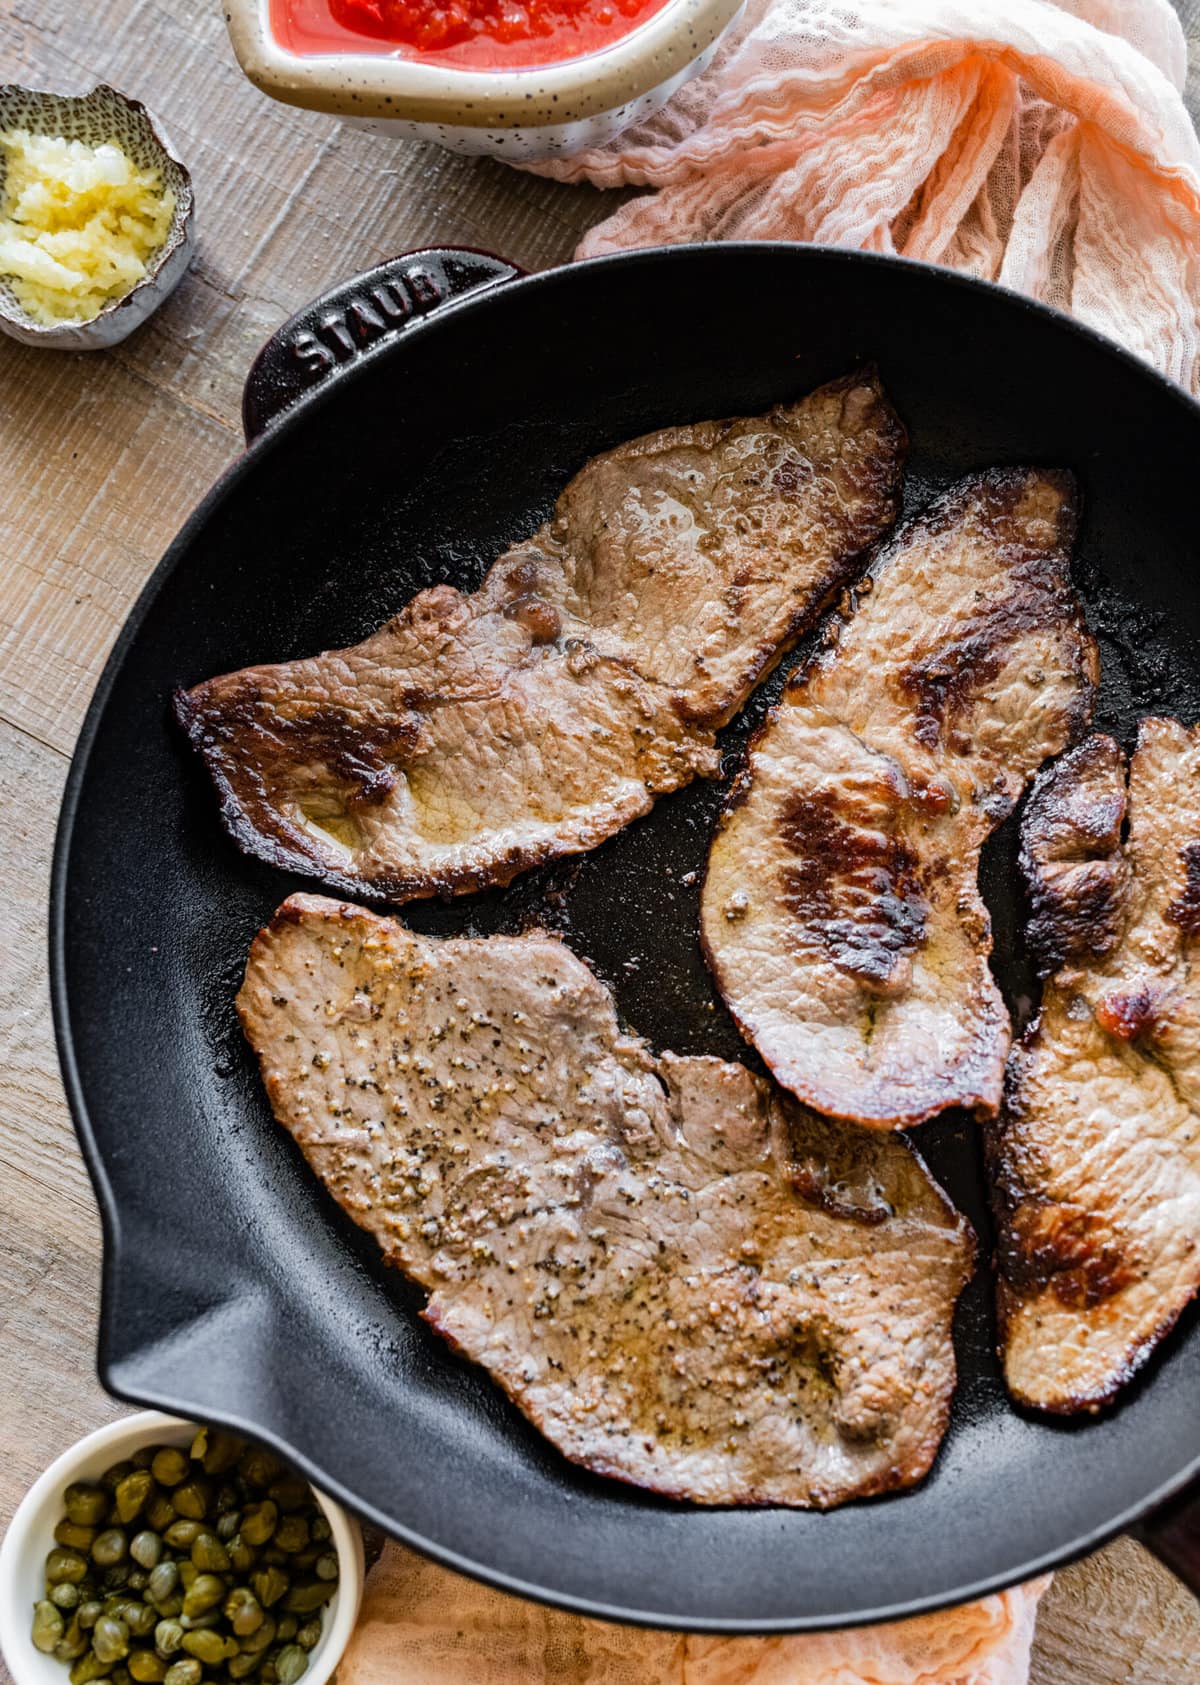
(158, 1552)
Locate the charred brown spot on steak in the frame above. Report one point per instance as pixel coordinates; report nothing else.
(1096, 1157)
(684, 1278)
(853, 886)
(1074, 869)
(841, 913)
(1185, 909)
(587, 675)
(1065, 1249)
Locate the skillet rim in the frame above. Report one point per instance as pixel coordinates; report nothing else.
(275, 437)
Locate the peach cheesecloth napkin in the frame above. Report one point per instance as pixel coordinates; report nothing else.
(421, 1625)
(1042, 145)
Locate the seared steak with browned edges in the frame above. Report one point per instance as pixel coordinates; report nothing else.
(841, 913)
(679, 1275)
(474, 736)
(1096, 1156)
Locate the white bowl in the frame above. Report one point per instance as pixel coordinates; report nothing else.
(31, 1536)
(522, 115)
(103, 115)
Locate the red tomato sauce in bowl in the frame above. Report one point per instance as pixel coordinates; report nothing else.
(465, 34)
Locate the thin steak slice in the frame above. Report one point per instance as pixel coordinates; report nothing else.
(1096, 1157)
(841, 913)
(475, 736)
(679, 1275)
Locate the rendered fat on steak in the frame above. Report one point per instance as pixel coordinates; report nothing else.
(475, 736)
(841, 912)
(1096, 1156)
(679, 1275)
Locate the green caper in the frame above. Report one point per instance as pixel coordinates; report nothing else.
(262, 1638)
(183, 1534)
(109, 1547)
(168, 1636)
(185, 1672)
(221, 1450)
(89, 1667)
(146, 1667)
(169, 1465)
(210, 1647)
(140, 1618)
(209, 1554)
(198, 1623)
(146, 1549)
(171, 1608)
(268, 1585)
(289, 1626)
(258, 1522)
(309, 1635)
(86, 1505)
(89, 1613)
(74, 1536)
(241, 1666)
(291, 1534)
(259, 1467)
(192, 1499)
(163, 1579)
(112, 1478)
(159, 1513)
(138, 1579)
(241, 1555)
(121, 1675)
(304, 1599)
(110, 1639)
(326, 1566)
(63, 1564)
(64, 1595)
(290, 1663)
(290, 1492)
(116, 1577)
(132, 1493)
(48, 1626)
(205, 1591)
(73, 1642)
(320, 1528)
(144, 1456)
(243, 1611)
(228, 1524)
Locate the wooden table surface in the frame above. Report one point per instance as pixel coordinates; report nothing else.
(101, 457)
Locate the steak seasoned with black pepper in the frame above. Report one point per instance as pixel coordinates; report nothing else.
(682, 1277)
(1096, 1156)
(841, 913)
(475, 736)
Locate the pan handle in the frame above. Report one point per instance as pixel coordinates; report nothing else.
(1172, 1532)
(351, 321)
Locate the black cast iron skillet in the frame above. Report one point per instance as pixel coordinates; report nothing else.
(421, 435)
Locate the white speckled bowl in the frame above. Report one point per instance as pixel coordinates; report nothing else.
(524, 115)
(103, 115)
(31, 1535)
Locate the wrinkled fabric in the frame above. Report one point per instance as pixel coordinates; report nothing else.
(422, 1625)
(1045, 146)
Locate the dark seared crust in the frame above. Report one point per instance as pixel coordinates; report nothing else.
(474, 737)
(683, 1278)
(1071, 855)
(1095, 1159)
(840, 912)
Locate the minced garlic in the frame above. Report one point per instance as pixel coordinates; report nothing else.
(78, 224)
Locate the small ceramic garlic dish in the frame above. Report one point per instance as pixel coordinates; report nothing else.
(101, 117)
(522, 115)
